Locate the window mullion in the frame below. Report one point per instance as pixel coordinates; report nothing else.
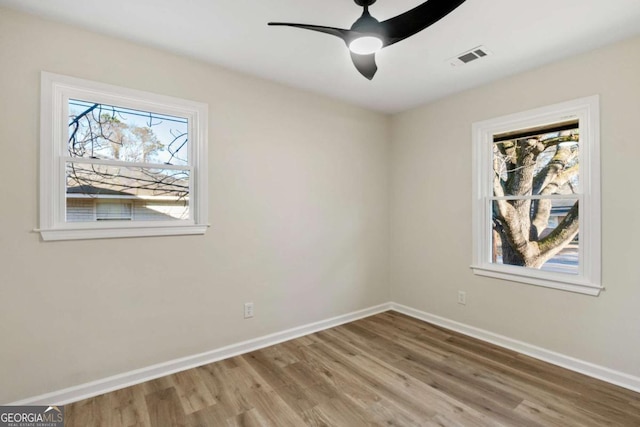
(538, 197)
(107, 162)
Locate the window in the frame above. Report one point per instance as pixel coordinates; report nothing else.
(118, 162)
(113, 210)
(536, 197)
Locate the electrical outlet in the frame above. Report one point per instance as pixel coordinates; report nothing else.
(248, 310)
(462, 297)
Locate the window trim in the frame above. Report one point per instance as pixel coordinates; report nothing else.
(56, 89)
(587, 111)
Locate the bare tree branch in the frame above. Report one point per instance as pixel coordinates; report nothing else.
(536, 165)
(102, 131)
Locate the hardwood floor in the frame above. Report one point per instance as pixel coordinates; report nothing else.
(385, 370)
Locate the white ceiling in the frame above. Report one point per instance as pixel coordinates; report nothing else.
(233, 33)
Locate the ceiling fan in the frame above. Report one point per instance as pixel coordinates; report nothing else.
(368, 35)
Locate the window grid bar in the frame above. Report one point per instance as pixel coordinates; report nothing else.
(538, 197)
(89, 160)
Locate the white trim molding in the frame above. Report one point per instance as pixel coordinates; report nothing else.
(586, 112)
(56, 93)
(138, 376)
(587, 368)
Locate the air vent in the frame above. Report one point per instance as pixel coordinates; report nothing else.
(469, 56)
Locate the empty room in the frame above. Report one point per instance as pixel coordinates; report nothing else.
(337, 213)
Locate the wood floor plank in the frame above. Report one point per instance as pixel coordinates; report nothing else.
(215, 415)
(91, 412)
(273, 408)
(463, 351)
(192, 391)
(158, 384)
(265, 367)
(280, 355)
(229, 386)
(78, 414)
(420, 340)
(165, 409)
(336, 412)
(362, 390)
(250, 418)
(299, 399)
(439, 373)
(340, 384)
(371, 407)
(384, 370)
(129, 408)
(388, 413)
(548, 415)
(422, 400)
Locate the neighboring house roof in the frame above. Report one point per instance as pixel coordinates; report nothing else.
(91, 192)
(133, 183)
(90, 189)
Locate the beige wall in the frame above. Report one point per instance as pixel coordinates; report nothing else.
(298, 211)
(299, 200)
(431, 213)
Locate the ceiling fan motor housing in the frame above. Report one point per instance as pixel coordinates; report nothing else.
(366, 24)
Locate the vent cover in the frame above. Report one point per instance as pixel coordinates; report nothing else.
(469, 56)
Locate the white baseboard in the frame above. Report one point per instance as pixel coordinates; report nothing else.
(590, 369)
(95, 388)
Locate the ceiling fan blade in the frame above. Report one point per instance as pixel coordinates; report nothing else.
(390, 31)
(338, 32)
(417, 19)
(366, 64)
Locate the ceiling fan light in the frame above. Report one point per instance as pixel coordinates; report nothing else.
(365, 45)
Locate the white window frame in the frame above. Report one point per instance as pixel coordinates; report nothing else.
(55, 93)
(588, 279)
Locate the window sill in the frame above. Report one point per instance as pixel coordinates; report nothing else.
(576, 284)
(115, 232)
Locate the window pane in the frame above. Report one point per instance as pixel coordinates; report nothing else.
(552, 242)
(102, 131)
(111, 210)
(80, 210)
(540, 164)
(102, 192)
